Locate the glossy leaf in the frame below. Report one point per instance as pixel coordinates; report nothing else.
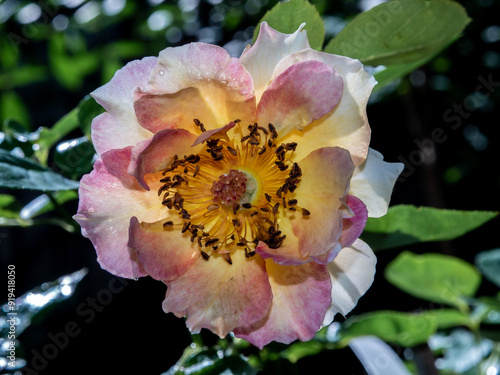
(73, 158)
(405, 225)
(400, 31)
(13, 107)
(488, 263)
(434, 277)
(7, 207)
(22, 173)
(286, 17)
(391, 326)
(447, 318)
(88, 110)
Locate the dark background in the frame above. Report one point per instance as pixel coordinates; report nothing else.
(132, 335)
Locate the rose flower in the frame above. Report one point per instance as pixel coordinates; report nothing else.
(241, 183)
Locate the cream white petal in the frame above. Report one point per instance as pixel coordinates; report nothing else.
(373, 181)
(352, 273)
(270, 47)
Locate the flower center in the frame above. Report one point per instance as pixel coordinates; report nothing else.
(229, 197)
(230, 188)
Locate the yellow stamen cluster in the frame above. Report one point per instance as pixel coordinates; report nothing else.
(221, 221)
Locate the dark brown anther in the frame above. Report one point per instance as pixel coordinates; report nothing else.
(196, 170)
(205, 255)
(235, 209)
(198, 226)
(264, 209)
(292, 209)
(254, 213)
(272, 130)
(161, 189)
(236, 222)
(211, 242)
(241, 244)
(185, 169)
(280, 149)
(275, 208)
(305, 212)
(284, 202)
(199, 242)
(185, 227)
(228, 259)
(244, 138)
(283, 167)
(232, 151)
(247, 205)
(177, 197)
(190, 158)
(237, 120)
(193, 237)
(292, 202)
(250, 254)
(168, 224)
(268, 197)
(199, 124)
(264, 130)
(278, 192)
(254, 142)
(262, 150)
(291, 146)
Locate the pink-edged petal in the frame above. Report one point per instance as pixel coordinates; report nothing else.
(220, 297)
(304, 92)
(109, 197)
(269, 48)
(119, 128)
(346, 125)
(352, 273)
(165, 253)
(214, 134)
(353, 226)
(301, 297)
(322, 191)
(156, 153)
(195, 81)
(373, 182)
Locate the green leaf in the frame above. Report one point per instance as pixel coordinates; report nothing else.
(286, 17)
(391, 326)
(73, 158)
(400, 31)
(13, 108)
(434, 277)
(488, 263)
(405, 225)
(48, 137)
(447, 318)
(300, 350)
(22, 173)
(7, 207)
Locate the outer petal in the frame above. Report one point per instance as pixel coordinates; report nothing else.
(165, 253)
(269, 48)
(352, 273)
(324, 184)
(373, 182)
(195, 81)
(154, 154)
(346, 125)
(302, 294)
(304, 92)
(109, 197)
(353, 226)
(219, 296)
(118, 128)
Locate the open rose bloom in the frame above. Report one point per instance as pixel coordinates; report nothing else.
(241, 183)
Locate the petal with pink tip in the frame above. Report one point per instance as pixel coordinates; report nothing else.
(269, 48)
(346, 125)
(220, 297)
(301, 296)
(109, 197)
(373, 182)
(304, 92)
(353, 226)
(352, 273)
(165, 252)
(214, 134)
(155, 154)
(119, 128)
(195, 81)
